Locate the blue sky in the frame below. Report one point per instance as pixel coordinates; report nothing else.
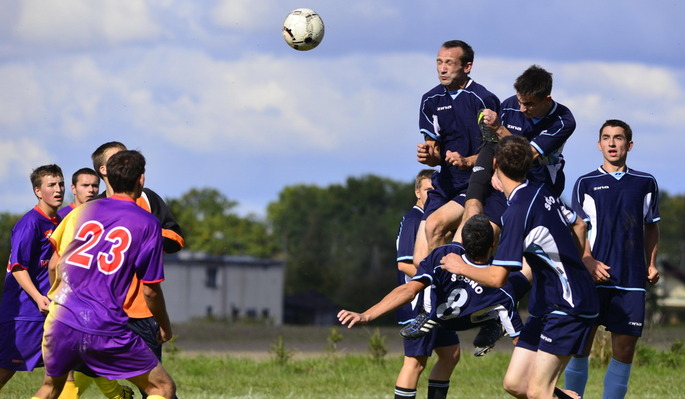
(213, 97)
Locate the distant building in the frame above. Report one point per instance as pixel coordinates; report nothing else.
(671, 293)
(198, 285)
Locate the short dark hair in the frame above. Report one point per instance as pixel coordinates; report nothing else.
(83, 171)
(468, 51)
(40, 172)
(423, 174)
(98, 155)
(534, 82)
(477, 237)
(124, 169)
(618, 123)
(514, 157)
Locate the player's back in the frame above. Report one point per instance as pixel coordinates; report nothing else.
(534, 226)
(102, 244)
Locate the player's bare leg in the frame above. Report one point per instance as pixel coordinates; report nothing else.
(421, 244)
(51, 388)
(411, 371)
(544, 375)
(156, 382)
(5, 375)
(516, 377)
(441, 224)
(472, 207)
(448, 357)
(623, 347)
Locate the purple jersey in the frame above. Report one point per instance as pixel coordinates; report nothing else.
(65, 211)
(31, 250)
(616, 207)
(547, 135)
(534, 226)
(102, 244)
(450, 118)
(406, 237)
(457, 300)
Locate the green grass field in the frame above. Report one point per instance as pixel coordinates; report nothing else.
(656, 374)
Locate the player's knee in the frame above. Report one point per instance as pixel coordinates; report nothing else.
(514, 388)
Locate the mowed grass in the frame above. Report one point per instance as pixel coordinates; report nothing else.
(336, 375)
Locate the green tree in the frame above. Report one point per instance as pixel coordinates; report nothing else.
(7, 222)
(671, 228)
(210, 224)
(340, 239)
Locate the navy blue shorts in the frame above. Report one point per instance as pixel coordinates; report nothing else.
(622, 311)
(558, 334)
(494, 207)
(424, 346)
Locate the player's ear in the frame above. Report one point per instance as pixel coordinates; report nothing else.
(467, 67)
(36, 191)
(630, 145)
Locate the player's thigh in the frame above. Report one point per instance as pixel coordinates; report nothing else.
(447, 217)
(421, 244)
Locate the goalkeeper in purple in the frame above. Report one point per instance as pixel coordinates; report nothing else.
(620, 205)
(100, 246)
(24, 301)
(563, 299)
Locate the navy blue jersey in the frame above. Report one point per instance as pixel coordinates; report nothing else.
(547, 135)
(534, 226)
(451, 120)
(457, 300)
(616, 207)
(406, 237)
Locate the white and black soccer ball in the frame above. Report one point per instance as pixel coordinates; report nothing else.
(303, 29)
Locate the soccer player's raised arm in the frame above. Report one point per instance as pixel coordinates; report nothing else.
(401, 295)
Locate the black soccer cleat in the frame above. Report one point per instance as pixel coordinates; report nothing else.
(490, 332)
(421, 326)
(487, 135)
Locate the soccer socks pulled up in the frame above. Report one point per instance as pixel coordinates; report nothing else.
(404, 393)
(438, 389)
(616, 379)
(70, 391)
(576, 374)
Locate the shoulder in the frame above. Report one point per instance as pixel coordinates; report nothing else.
(640, 174)
(510, 102)
(437, 90)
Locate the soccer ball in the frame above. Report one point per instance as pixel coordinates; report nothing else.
(303, 29)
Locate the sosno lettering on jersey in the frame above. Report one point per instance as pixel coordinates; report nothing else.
(474, 285)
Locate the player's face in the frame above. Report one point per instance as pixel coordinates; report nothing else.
(451, 72)
(614, 145)
(422, 192)
(534, 107)
(51, 191)
(86, 187)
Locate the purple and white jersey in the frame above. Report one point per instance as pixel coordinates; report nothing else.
(547, 135)
(616, 207)
(458, 302)
(30, 249)
(406, 238)
(102, 244)
(450, 118)
(534, 226)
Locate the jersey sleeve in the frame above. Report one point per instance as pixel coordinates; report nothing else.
(510, 247)
(652, 204)
(406, 238)
(555, 135)
(24, 237)
(577, 198)
(171, 231)
(149, 267)
(428, 119)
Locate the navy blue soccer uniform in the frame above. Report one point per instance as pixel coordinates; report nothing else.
(563, 299)
(547, 135)
(616, 207)
(459, 303)
(450, 118)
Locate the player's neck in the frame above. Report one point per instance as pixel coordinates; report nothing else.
(48, 210)
(612, 167)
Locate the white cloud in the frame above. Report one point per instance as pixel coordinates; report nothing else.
(80, 23)
(244, 15)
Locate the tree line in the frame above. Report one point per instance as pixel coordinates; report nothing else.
(338, 240)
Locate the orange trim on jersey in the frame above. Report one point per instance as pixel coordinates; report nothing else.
(135, 305)
(53, 220)
(153, 282)
(11, 267)
(172, 235)
(122, 198)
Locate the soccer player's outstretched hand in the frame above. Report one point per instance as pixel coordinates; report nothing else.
(428, 154)
(351, 318)
(598, 270)
(652, 274)
(164, 335)
(491, 120)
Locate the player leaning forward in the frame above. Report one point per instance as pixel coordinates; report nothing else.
(100, 246)
(563, 299)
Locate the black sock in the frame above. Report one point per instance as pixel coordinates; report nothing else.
(438, 389)
(404, 393)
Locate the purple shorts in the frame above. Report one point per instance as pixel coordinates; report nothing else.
(558, 334)
(20, 345)
(114, 357)
(622, 311)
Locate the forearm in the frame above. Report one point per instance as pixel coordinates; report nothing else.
(24, 280)
(154, 298)
(651, 243)
(401, 295)
(407, 268)
(491, 276)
